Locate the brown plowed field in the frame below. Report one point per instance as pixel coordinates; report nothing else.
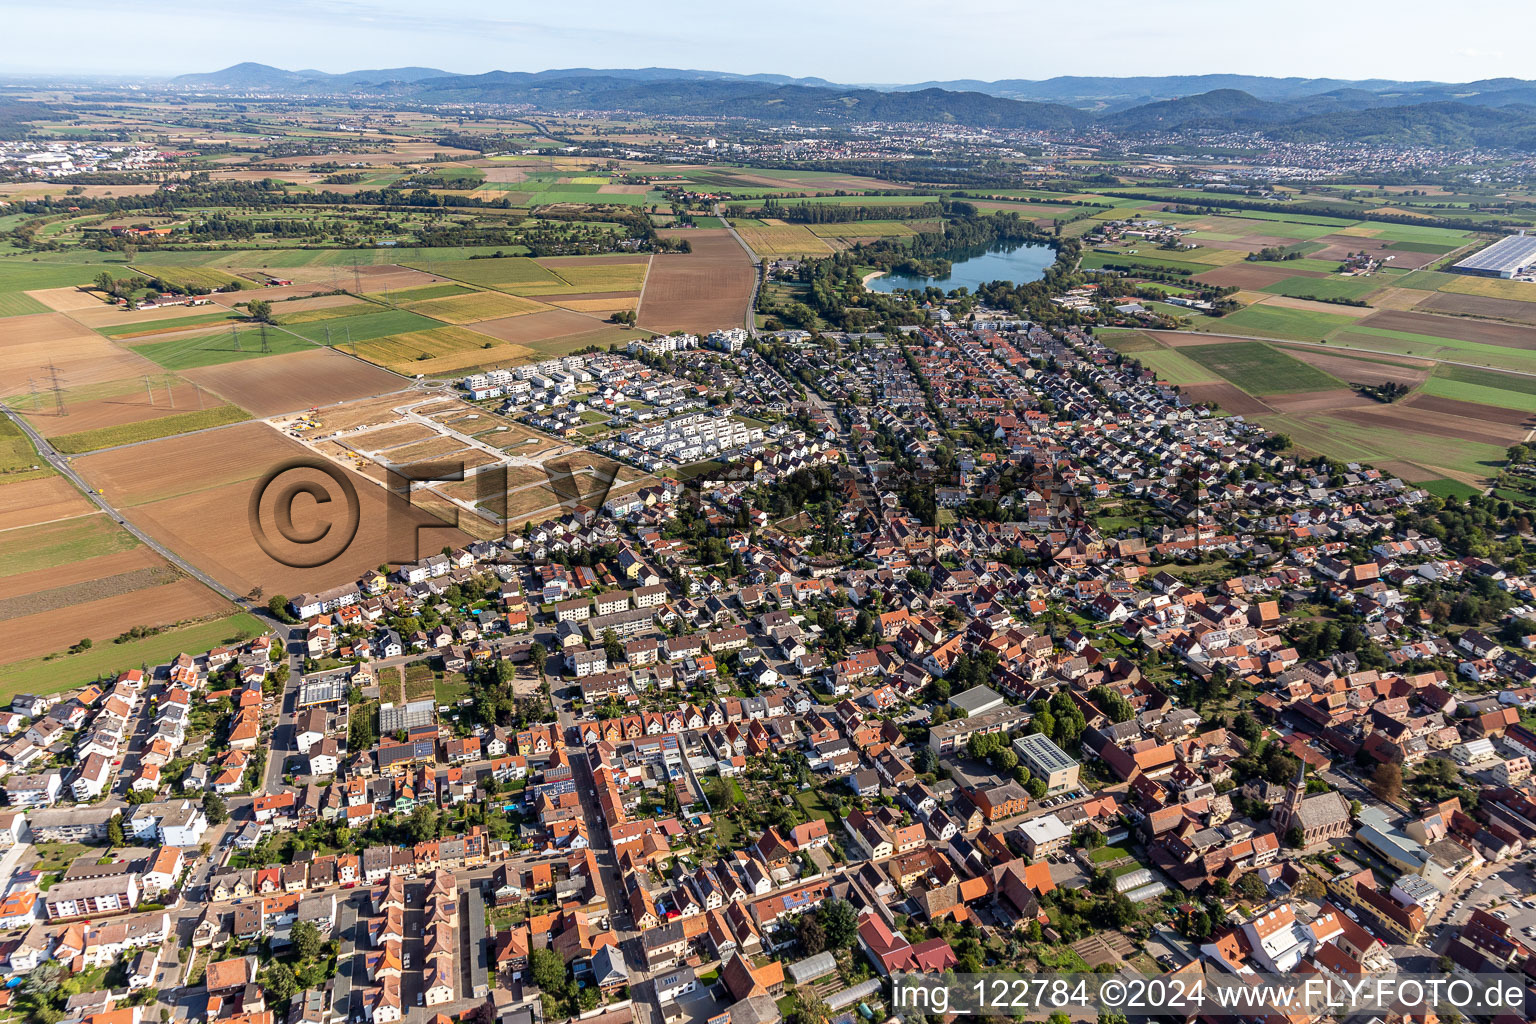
(1508, 335)
(1371, 369)
(29, 344)
(192, 462)
(46, 632)
(1318, 401)
(1476, 412)
(211, 529)
(532, 328)
(699, 291)
(201, 511)
(1401, 416)
(1336, 247)
(1242, 275)
(295, 380)
(28, 502)
(100, 567)
(1478, 305)
(1232, 399)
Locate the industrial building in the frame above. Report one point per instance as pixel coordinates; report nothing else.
(1508, 257)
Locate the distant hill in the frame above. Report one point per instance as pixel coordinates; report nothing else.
(1495, 112)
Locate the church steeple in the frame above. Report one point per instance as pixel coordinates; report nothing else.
(1295, 793)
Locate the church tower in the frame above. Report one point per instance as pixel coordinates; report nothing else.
(1289, 812)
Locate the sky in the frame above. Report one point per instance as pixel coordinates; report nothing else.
(849, 41)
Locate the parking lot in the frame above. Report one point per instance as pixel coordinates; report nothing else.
(1506, 893)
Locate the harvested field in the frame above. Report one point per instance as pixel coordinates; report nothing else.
(1247, 275)
(313, 303)
(384, 278)
(1368, 369)
(1232, 400)
(1479, 305)
(297, 380)
(30, 344)
(439, 350)
(1460, 328)
(699, 291)
(63, 542)
(102, 619)
(67, 300)
(41, 500)
(611, 304)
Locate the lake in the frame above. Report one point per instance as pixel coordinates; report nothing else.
(1017, 262)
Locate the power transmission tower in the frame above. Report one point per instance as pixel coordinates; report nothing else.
(58, 390)
(149, 392)
(266, 346)
(350, 343)
(36, 400)
(199, 396)
(169, 396)
(327, 337)
(234, 335)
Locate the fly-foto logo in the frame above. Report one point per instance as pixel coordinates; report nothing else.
(305, 513)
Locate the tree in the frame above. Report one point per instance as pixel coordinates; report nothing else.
(1387, 781)
(840, 922)
(1307, 887)
(1295, 838)
(1037, 788)
(421, 825)
(214, 808)
(306, 939)
(813, 937)
(1252, 887)
(613, 648)
(280, 983)
(277, 605)
(538, 655)
(115, 835)
(260, 311)
(547, 970)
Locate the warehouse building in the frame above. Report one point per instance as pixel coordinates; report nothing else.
(1508, 257)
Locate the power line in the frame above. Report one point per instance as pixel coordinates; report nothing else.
(149, 392)
(266, 346)
(57, 389)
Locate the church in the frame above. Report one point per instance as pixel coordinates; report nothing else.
(1321, 816)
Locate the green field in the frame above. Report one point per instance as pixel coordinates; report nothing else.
(59, 543)
(365, 326)
(46, 675)
(148, 430)
(218, 347)
(1279, 322)
(1325, 287)
(1174, 367)
(190, 277)
(19, 304)
(1485, 387)
(17, 455)
(167, 324)
(1259, 369)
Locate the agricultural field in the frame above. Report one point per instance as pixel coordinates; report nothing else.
(202, 513)
(1258, 368)
(473, 307)
(298, 380)
(213, 347)
(776, 239)
(699, 291)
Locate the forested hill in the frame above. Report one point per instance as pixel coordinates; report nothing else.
(1498, 113)
(743, 98)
